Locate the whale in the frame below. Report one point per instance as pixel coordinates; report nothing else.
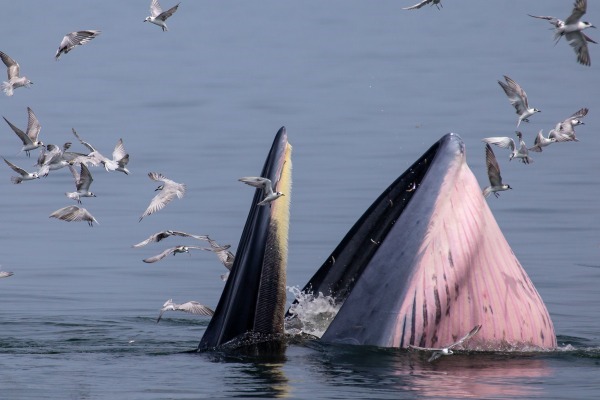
(423, 265)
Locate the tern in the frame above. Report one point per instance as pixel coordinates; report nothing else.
(266, 185)
(14, 80)
(50, 159)
(119, 161)
(167, 192)
(507, 143)
(437, 3)
(564, 131)
(73, 39)
(83, 180)
(493, 171)
(31, 138)
(541, 141)
(518, 98)
(445, 351)
(225, 256)
(25, 176)
(172, 250)
(74, 214)
(158, 16)
(192, 307)
(157, 237)
(572, 29)
(6, 274)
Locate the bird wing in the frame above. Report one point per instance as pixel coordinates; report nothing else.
(516, 94)
(73, 214)
(468, 336)
(579, 9)
(24, 138)
(11, 65)
(493, 169)
(193, 307)
(166, 14)
(579, 44)
(81, 37)
(578, 114)
(255, 181)
(119, 152)
(155, 8)
(158, 202)
(418, 5)
(501, 141)
(157, 237)
(160, 256)
(18, 170)
(33, 126)
(86, 144)
(85, 179)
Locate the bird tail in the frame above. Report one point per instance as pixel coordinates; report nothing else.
(16, 179)
(7, 88)
(487, 191)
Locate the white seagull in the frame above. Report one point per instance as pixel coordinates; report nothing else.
(75, 39)
(74, 214)
(172, 250)
(157, 237)
(266, 185)
(158, 16)
(31, 138)
(83, 180)
(572, 29)
(445, 351)
(14, 80)
(507, 143)
(25, 176)
(192, 307)
(493, 171)
(167, 192)
(541, 141)
(437, 3)
(518, 98)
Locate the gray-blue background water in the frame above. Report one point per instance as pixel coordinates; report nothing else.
(363, 88)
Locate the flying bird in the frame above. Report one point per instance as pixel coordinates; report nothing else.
(518, 98)
(437, 3)
(158, 16)
(445, 351)
(520, 152)
(74, 214)
(14, 80)
(192, 307)
(157, 237)
(6, 274)
(50, 159)
(31, 138)
(167, 192)
(572, 29)
(564, 131)
(25, 176)
(266, 185)
(83, 180)
(120, 158)
(541, 141)
(493, 171)
(75, 39)
(172, 250)
(225, 256)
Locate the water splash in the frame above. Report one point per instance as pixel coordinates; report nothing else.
(311, 313)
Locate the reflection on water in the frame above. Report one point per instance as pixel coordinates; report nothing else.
(477, 375)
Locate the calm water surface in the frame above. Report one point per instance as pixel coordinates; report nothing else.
(364, 88)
